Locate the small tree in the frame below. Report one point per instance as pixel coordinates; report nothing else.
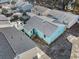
(13, 2)
(4, 11)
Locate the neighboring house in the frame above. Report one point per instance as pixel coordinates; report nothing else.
(6, 51)
(18, 40)
(75, 46)
(21, 44)
(4, 21)
(23, 6)
(40, 10)
(60, 17)
(34, 53)
(45, 30)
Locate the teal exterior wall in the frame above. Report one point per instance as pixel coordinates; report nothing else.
(29, 33)
(48, 39)
(60, 30)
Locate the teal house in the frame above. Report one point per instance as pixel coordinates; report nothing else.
(43, 29)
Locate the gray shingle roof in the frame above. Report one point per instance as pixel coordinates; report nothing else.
(45, 27)
(18, 40)
(6, 51)
(3, 20)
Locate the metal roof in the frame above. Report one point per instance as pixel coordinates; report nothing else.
(39, 9)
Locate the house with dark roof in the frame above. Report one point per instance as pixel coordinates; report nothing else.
(47, 31)
(6, 51)
(66, 18)
(4, 21)
(61, 17)
(22, 46)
